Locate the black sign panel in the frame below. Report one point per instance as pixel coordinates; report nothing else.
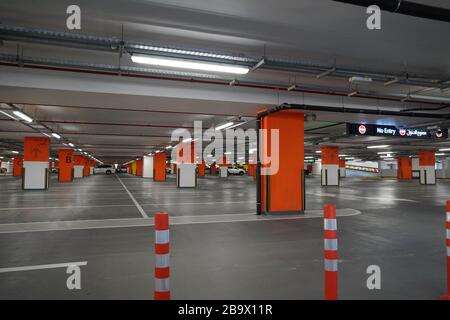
(392, 131)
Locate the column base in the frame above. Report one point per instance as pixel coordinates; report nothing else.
(283, 213)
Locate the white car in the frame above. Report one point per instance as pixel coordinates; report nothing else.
(235, 170)
(104, 168)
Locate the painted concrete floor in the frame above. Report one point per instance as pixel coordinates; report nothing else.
(399, 227)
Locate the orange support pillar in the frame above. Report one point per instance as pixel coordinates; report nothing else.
(78, 166)
(159, 166)
(86, 167)
(281, 185)
(404, 170)
(251, 170)
(330, 166)
(201, 169)
(35, 163)
(213, 169)
(427, 167)
(65, 165)
(139, 167)
(342, 172)
(17, 166)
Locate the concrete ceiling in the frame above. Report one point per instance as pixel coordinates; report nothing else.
(118, 118)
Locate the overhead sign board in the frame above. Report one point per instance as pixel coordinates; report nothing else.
(361, 129)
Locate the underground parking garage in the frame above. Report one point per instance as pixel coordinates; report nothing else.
(185, 150)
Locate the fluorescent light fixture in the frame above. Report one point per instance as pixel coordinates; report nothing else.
(318, 151)
(169, 147)
(80, 150)
(71, 144)
(351, 94)
(57, 136)
(8, 115)
(225, 125)
(309, 157)
(47, 135)
(439, 154)
(209, 155)
(343, 155)
(15, 152)
(385, 152)
(150, 154)
(189, 64)
(227, 153)
(23, 116)
(187, 140)
(358, 79)
(445, 149)
(378, 147)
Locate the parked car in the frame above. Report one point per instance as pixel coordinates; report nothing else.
(236, 170)
(122, 170)
(104, 168)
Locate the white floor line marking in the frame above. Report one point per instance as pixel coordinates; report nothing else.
(43, 266)
(175, 220)
(69, 207)
(127, 205)
(138, 206)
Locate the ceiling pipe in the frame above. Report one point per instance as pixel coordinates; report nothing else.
(217, 82)
(112, 44)
(354, 110)
(405, 7)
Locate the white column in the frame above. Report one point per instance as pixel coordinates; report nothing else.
(78, 171)
(223, 172)
(330, 174)
(187, 175)
(427, 175)
(147, 171)
(35, 175)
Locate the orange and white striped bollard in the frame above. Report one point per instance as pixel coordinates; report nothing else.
(162, 256)
(330, 252)
(447, 242)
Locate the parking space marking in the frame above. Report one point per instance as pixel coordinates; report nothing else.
(174, 220)
(43, 266)
(138, 206)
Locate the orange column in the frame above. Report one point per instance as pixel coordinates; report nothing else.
(404, 171)
(139, 167)
(86, 167)
(282, 191)
(213, 168)
(330, 166)
(252, 169)
(17, 166)
(35, 163)
(65, 165)
(159, 166)
(201, 169)
(78, 166)
(427, 163)
(342, 172)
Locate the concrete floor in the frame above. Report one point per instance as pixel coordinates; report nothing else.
(400, 227)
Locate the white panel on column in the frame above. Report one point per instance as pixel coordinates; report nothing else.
(78, 171)
(147, 171)
(223, 172)
(330, 174)
(35, 175)
(187, 175)
(427, 175)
